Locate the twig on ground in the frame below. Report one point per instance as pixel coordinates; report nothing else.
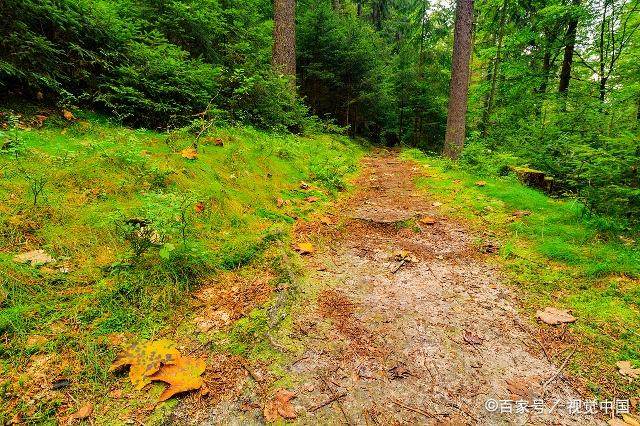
(564, 364)
(328, 401)
(414, 409)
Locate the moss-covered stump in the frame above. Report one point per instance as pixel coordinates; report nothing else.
(534, 178)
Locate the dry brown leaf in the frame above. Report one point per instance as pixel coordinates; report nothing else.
(145, 360)
(304, 185)
(481, 183)
(68, 115)
(183, 375)
(280, 203)
(471, 338)
(553, 316)
(280, 406)
(199, 207)
(311, 199)
(436, 204)
(305, 248)
(626, 369)
(83, 413)
(521, 213)
(34, 257)
(428, 220)
(189, 153)
(524, 388)
(218, 142)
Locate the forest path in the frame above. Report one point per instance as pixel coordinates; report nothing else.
(410, 324)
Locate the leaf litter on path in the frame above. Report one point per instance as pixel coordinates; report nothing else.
(626, 369)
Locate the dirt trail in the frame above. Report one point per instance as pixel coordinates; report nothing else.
(411, 325)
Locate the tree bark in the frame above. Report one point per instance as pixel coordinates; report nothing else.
(459, 89)
(569, 48)
(284, 37)
(494, 71)
(360, 8)
(336, 4)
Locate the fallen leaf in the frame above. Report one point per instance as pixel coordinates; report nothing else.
(218, 142)
(34, 257)
(280, 203)
(145, 360)
(305, 248)
(428, 220)
(280, 406)
(399, 372)
(471, 338)
(521, 213)
(68, 115)
(199, 207)
(553, 316)
(83, 413)
(481, 183)
(311, 199)
(524, 388)
(626, 369)
(436, 204)
(182, 375)
(304, 185)
(189, 153)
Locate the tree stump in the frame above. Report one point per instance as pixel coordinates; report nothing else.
(534, 178)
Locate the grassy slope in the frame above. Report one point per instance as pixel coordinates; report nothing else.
(555, 258)
(215, 213)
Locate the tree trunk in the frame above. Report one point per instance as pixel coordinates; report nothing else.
(459, 90)
(284, 37)
(567, 60)
(494, 71)
(336, 4)
(360, 8)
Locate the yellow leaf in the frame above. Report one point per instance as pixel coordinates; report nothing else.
(68, 115)
(189, 153)
(481, 183)
(145, 360)
(182, 376)
(305, 248)
(427, 220)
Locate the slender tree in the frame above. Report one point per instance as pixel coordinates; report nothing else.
(459, 89)
(284, 37)
(567, 61)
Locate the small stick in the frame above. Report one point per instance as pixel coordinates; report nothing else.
(414, 409)
(327, 402)
(564, 364)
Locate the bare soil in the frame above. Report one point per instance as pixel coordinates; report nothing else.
(410, 325)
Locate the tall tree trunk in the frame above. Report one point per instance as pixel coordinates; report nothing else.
(494, 71)
(360, 8)
(459, 90)
(284, 37)
(569, 48)
(546, 68)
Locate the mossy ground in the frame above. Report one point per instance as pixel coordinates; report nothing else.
(555, 257)
(218, 212)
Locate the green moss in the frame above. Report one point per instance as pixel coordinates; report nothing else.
(98, 176)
